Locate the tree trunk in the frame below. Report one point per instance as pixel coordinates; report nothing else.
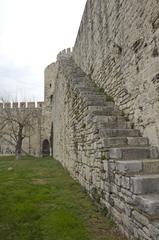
(18, 150)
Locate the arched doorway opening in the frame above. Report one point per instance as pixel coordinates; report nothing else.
(46, 148)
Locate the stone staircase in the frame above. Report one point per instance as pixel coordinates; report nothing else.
(128, 156)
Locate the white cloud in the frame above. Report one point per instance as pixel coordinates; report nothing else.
(32, 32)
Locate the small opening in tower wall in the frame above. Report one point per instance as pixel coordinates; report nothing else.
(45, 148)
(50, 85)
(51, 98)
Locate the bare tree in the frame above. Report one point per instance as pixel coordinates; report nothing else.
(18, 124)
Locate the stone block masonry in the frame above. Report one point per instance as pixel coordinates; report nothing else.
(101, 111)
(103, 151)
(118, 45)
(111, 147)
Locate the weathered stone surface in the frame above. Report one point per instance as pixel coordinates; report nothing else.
(127, 167)
(102, 159)
(116, 47)
(140, 141)
(149, 204)
(140, 218)
(129, 153)
(117, 44)
(119, 133)
(150, 166)
(114, 141)
(154, 230)
(145, 166)
(145, 184)
(125, 182)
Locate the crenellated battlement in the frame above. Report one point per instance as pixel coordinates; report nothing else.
(21, 105)
(65, 53)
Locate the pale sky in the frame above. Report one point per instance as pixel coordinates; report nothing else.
(32, 32)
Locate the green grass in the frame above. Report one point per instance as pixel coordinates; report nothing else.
(40, 201)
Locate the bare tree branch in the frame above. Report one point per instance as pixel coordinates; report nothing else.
(18, 124)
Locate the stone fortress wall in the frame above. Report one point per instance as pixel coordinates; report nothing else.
(104, 102)
(102, 150)
(101, 111)
(32, 145)
(118, 45)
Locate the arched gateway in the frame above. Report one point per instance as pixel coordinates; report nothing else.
(46, 148)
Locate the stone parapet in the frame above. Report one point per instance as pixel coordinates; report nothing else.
(65, 53)
(21, 105)
(31, 104)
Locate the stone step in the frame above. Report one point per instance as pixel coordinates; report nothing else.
(106, 119)
(119, 133)
(81, 88)
(129, 153)
(91, 93)
(145, 184)
(113, 124)
(144, 166)
(84, 87)
(124, 141)
(149, 204)
(101, 108)
(106, 112)
(137, 141)
(100, 103)
(94, 97)
(80, 82)
(107, 122)
(87, 90)
(78, 76)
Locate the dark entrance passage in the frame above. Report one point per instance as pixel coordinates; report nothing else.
(46, 148)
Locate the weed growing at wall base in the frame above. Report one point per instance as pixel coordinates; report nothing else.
(39, 200)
